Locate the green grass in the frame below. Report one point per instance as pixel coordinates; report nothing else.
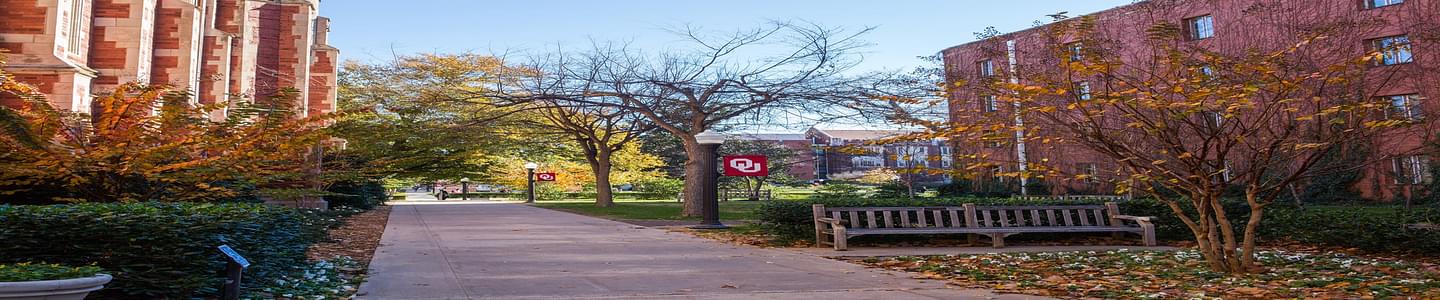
(631, 209)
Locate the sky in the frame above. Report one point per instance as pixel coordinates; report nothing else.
(373, 30)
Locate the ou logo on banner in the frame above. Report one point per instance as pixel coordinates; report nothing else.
(544, 176)
(747, 165)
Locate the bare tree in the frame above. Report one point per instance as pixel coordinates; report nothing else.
(777, 73)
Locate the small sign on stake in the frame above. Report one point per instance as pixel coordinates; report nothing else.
(233, 271)
(545, 177)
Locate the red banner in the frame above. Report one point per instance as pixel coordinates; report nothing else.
(746, 165)
(545, 177)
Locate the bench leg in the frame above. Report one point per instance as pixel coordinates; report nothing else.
(1148, 234)
(970, 239)
(841, 239)
(997, 240)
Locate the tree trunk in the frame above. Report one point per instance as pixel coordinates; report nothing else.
(693, 173)
(604, 195)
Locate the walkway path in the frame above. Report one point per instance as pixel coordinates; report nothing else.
(489, 250)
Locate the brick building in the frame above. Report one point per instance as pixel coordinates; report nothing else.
(847, 154)
(217, 49)
(1403, 30)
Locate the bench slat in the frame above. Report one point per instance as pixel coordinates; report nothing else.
(955, 218)
(1066, 214)
(1035, 217)
(920, 218)
(938, 218)
(985, 218)
(1050, 214)
(1004, 219)
(855, 219)
(1099, 217)
(870, 219)
(889, 220)
(1084, 216)
(1039, 207)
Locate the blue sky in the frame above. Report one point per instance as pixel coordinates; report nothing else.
(370, 30)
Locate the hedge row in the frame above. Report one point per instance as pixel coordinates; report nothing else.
(161, 250)
(573, 195)
(1369, 228)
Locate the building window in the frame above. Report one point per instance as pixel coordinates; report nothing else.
(1371, 4)
(991, 139)
(1076, 51)
(1215, 118)
(1091, 172)
(990, 102)
(986, 68)
(1082, 90)
(77, 27)
(1393, 50)
(867, 161)
(996, 172)
(1404, 107)
(1202, 27)
(1410, 170)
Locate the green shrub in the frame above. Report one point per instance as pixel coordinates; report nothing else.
(162, 250)
(837, 191)
(357, 194)
(549, 192)
(660, 185)
(37, 272)
(1380, 228)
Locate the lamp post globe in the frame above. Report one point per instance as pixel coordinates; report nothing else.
(530, 181)
(709, 184)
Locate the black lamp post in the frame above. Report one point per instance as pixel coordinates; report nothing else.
(709, 184)
(530, 180)
(465, 188)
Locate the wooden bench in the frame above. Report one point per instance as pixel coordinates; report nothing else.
(995, 222)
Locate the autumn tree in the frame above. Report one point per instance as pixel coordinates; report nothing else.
(600, 131)
(765, 75)
(421, 117)
(151, 143)
(1181, 121)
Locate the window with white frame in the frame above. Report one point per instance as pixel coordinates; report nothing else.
(1091, 172)
(1404, 107)
(1202, 27)
(867, 161)
(1372, 4)
(77, 27)
(1076, 51)
(1411, 170)
(986, 68)
(1082, 90)
(990, 102)
(1393, 50)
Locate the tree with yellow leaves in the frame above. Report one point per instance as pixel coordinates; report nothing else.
(1181, 121)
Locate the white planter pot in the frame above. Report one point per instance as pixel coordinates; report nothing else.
(65, 289)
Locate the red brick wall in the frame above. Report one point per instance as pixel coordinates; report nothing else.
(44, 84)
(24, 17)
(168, 34)
(321, 83)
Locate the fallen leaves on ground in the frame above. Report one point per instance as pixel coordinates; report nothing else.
(743, 236)
(1177, 275)
(357, 238)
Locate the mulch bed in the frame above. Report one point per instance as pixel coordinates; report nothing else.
(357, 238)
(1177, 275)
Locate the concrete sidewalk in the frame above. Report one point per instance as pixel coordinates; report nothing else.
(487, 250)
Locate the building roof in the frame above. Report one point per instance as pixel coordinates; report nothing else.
(862, 134)
(769, 136)
(1008, 35)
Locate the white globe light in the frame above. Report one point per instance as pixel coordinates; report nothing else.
(709, 138)
(531, 166)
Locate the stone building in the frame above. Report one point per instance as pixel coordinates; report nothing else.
(217, 49)
(1402, 30)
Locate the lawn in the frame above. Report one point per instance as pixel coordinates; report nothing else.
(1177, 275)
(631, 209)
